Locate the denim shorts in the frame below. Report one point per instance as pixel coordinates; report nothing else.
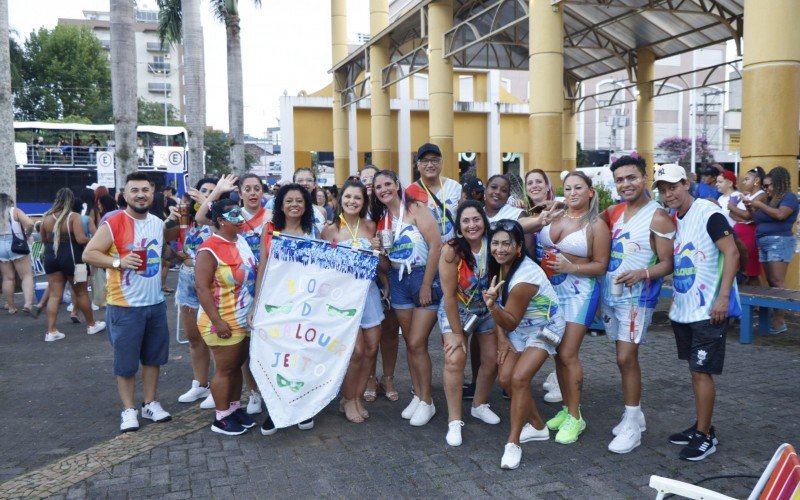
(776, 248)
(485, 320)
(6, 255)
(404, 293)
(138, 335)
(617, 319)
(373, 308)
(186, 293)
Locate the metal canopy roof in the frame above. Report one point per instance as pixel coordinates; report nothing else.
(601, 36)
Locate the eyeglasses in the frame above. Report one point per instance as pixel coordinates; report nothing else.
(430, 161)
(506, 225)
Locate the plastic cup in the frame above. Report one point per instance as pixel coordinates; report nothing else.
(142, 253)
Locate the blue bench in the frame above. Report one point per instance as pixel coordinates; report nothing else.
(758, 296)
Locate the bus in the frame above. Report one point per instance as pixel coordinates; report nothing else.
(50, 156)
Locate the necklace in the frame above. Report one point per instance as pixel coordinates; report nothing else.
(574, 217)
(353, 234)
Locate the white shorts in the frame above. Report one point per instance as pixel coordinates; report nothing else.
(617, 319)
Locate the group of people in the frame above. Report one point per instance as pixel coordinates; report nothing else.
(511, 281)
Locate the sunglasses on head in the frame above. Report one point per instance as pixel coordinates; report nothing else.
(506, 225)
(233, 215)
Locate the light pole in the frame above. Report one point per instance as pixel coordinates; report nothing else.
(705, 110)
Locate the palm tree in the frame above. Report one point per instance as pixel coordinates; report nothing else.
(226, 11)
(179, 20)
(123, 86)
(8, 177)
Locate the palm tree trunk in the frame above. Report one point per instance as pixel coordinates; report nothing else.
(123, 86)
(194, 67)
(235, 94)
(8, 174)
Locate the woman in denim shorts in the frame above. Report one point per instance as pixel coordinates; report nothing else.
(462, 268)
(350, 228)
(775, 218)
(186, 293)
(414, 286)
(523, 303)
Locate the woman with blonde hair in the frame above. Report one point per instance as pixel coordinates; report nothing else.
(14, 222)
(64, 240)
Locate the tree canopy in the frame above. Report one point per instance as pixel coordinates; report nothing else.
(61, 72)
(152, 113)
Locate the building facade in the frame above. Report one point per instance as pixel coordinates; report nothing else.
(159, 70)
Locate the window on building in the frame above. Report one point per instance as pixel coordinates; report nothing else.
(465, 88)
(420, 86)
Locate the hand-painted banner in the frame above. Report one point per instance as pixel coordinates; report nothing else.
(305, 324)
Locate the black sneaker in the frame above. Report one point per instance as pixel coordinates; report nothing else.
(306, 425)
(468, 392)
(684, 437)
(244, 418)
(229, 426)
(268, 427)
(701, 446)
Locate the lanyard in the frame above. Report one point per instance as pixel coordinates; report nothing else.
(480, 261)
(353, 234)
(443, 217)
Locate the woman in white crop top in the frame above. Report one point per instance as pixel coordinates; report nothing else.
(14, 219)
(576, 252)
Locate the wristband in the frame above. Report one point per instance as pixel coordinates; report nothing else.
(647, 273)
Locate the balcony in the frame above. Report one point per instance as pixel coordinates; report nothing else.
(161, 68)
(156, 47)
(159, 87)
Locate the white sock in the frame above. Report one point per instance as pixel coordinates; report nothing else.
(633, 410)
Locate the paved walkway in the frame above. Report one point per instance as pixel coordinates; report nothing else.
(61, 439)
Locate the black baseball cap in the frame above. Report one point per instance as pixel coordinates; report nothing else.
(713, 172)
(473, 185)
(428, 148)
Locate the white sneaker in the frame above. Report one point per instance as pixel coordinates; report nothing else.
(95, 307)
(98, 326)
(530, 433)
(208, 403)
(454, 433)
(69, 307)
(53, 336)
(155, 412)
(128, 420)
(423, 414)
(484, 413)
(638, 417)
(554, 396)
(411, 408)
(511, 457)
(254, 403)
(629, 437)
(196, 392)
(551, 382)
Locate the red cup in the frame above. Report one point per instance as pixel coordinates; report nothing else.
(142, 253)
(549, 254)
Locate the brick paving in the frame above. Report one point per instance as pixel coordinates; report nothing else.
(70, 414)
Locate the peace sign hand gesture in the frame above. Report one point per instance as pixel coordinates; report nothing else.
(490, 294)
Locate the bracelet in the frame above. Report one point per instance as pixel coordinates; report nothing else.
(647, 273)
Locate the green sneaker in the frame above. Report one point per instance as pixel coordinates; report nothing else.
(556, 422)
(570, 430)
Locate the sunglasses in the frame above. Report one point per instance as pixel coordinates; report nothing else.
(506, 225)
(233, 215)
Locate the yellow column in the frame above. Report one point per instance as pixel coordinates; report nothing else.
(771, 92)
(569, 145)
(546, 80)
(645, 107)
(440, 86)
(380, 114)
(341, 155)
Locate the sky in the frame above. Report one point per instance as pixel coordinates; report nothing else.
(286, 46)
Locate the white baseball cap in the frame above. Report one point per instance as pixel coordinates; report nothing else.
(669, 172)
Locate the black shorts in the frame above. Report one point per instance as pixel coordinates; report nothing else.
(703, 344)
(61, 261)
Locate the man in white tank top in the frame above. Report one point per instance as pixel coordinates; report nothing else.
(641, 255)
(706, 260)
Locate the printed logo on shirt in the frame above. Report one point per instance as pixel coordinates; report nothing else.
(402, 249)
(617, 251)
(685, 270)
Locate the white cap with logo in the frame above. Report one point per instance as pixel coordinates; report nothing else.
(669, 172)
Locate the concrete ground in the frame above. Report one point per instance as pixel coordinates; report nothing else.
(61, 438)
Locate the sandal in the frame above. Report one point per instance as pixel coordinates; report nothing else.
(167, 290)
(390, 395)
(371, 395)
(75, 319)
(350, 413)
